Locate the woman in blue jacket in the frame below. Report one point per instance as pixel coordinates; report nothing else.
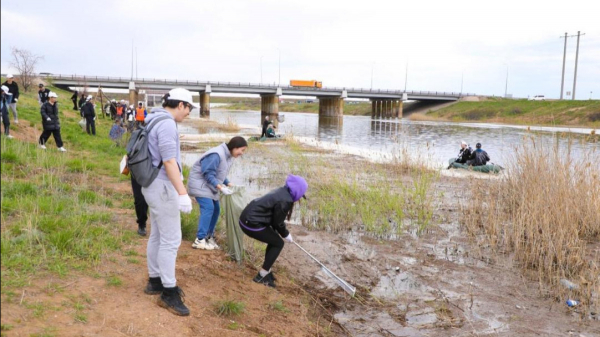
(207, 177)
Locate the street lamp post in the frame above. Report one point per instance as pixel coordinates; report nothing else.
(372, 66)
(279, 83)
(506, 85)
(462, 77)
(261, 78)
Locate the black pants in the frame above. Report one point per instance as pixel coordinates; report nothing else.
(46, 134)
(141, 207)
(264, 132)
(75, 105)
(274, 244)
(6, 120)
(90, 123)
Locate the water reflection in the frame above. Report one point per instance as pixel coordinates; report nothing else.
(330, 128)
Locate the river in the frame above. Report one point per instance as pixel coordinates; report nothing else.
(435, 142)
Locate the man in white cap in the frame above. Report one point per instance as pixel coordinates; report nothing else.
(88, 112)
(166, 197)
(13, 87)
(43, 93)
(465, 153)
(6, 97)
(50, 122)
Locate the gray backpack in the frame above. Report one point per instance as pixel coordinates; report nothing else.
(139, 160)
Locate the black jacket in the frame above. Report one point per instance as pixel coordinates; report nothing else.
(269, 210)
(74, 97)
(43, 95)
(479, 157)
(87, 110)
(50, 111)
(464, 155)
(13, 89)
(81, 101)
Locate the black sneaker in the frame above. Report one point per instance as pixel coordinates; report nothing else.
(172, 299)
(266, 280)
(154, 286)
(141, 231)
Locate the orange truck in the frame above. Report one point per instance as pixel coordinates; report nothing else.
(302, 83)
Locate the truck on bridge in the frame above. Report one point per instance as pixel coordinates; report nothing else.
(303, 83)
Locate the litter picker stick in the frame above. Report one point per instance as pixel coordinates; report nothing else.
(345, 285)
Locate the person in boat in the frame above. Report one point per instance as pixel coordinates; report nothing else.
(465, 153)
(479, 157)
(271, 131)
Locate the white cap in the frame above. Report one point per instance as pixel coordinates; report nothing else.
(89, 98)
(112, 100)
(9, 76)
(122, 101)
(181, 94)
(52, 94)
(5, 89)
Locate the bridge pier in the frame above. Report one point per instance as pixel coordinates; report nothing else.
(331, 106)
(133, 94)
(204, 104)
(386, 108)
(269, 105)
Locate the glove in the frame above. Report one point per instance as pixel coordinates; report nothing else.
(225, 190)
(16, 99)
(48, 119)
(185, 203)
(94, 118)
(289, 238)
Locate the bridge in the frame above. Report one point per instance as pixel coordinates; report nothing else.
(385, 103)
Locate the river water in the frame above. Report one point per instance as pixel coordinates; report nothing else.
(434, 141)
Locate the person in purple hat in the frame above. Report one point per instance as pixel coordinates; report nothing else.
(263, 220)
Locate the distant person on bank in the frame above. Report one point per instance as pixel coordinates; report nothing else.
(74, 99)
(13, 87)
(263, 220)
(51, 123)
(6, 97)
(89, 113)
(265, 125)
(207, 178)
(81, 102)
(479, 157)
(42, 94)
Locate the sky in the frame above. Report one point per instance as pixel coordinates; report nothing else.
(483, 46)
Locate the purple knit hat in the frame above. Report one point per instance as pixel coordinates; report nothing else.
(297, 186)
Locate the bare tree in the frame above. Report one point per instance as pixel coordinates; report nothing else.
(25, 61)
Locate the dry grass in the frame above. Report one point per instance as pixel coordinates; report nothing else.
(545, 211)
(419, 117)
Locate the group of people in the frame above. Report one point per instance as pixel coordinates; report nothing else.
(268, 129)
(167, 196)
(468, 156)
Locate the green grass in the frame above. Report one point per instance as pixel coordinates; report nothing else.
(279, 306)
(575, 113)
(229, 308)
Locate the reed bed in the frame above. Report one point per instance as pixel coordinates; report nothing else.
(546, 213)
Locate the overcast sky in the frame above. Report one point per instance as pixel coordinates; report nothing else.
(340, 43)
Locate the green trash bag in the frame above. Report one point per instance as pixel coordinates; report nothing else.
(233, 205)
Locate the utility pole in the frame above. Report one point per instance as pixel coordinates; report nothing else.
(406, 77)
(462, 77)
(136, 64)
(279, 83)
(576, 59)
(132, 59)
(261, 69)
(562, 80)
(506, 85)
(372, 66)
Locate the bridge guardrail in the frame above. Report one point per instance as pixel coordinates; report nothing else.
(85, 78)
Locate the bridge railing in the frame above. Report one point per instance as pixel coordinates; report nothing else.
(85, 78)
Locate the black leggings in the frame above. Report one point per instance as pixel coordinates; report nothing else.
(141, 207)
(274, 244)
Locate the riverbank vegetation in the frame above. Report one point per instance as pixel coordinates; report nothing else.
(545, 213)
(290, 105)
(523, 112)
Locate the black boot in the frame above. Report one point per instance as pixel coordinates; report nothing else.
(172, 299)
(141, 231)
(154, 286)
(266, 280)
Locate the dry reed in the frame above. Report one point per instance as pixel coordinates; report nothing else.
(545, 211)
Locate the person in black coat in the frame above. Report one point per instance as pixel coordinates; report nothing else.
(479, 157)
(51, 123)
(465, 153)
(13, 87)
(265, 125)
(263, 220)
(4, 107)
(74, 99)
(89, 113)
(81, 102)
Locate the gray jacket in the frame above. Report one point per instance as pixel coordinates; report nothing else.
(198, 185)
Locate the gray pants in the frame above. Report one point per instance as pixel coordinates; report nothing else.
(13, 107)
(165, 234)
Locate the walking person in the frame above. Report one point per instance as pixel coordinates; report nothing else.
(82, 101)
(166, 197)
(51, 123)
(74, 99)
(88, 111)
(207, 177)
(42, 94)
(6, 97)
(13, 87)
(263, 220)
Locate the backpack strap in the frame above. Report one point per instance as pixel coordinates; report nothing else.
(149, 128)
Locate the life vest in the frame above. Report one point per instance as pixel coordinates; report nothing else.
(139, 114)
(120, 110)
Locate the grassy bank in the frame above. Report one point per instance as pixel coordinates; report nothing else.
(524, 112)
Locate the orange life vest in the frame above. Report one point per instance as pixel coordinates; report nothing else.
(139, 114)
(120, 110)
